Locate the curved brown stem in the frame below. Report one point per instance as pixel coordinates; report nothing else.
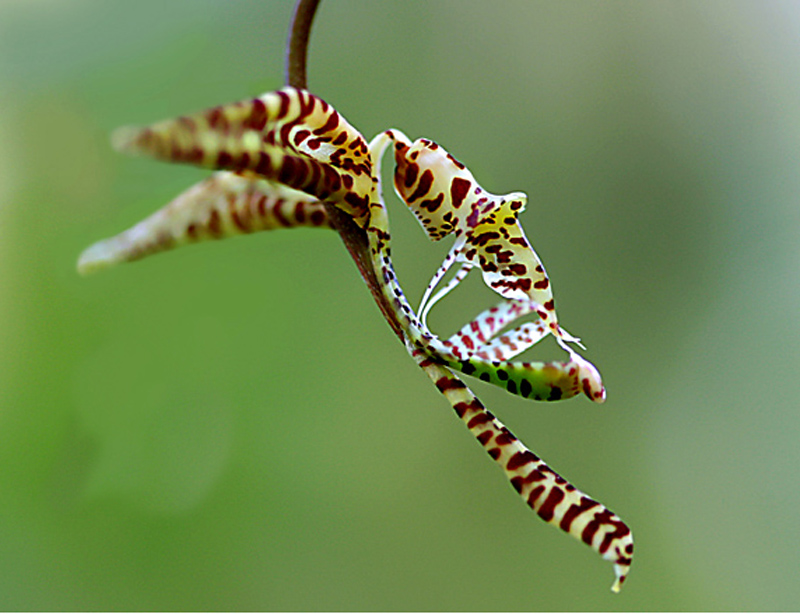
(297, 45)
(353, 237)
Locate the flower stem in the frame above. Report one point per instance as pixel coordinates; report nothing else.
(353, 237)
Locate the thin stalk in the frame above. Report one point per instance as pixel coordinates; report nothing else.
(353, 237)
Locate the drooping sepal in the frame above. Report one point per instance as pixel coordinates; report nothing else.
(226, 204)
(554, 500)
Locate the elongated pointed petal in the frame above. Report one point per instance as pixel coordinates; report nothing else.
(486, 325)
(224, 205)
(548, 494)
(514, 342)
(288, 136)
(554, 500)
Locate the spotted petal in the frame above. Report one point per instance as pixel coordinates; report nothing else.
(290, 136)
(554, 500)
(446, 199)
(225, 204)
(539, 381)
(480, 331)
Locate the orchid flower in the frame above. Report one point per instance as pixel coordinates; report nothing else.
(282, 157)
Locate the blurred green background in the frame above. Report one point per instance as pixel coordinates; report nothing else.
(233, 425)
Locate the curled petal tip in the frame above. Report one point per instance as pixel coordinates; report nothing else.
(621, 575)
(590, 380)
(600, 396)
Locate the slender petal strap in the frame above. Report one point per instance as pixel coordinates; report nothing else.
(479, 331)
(225, 204)
(289, 136)
(512, 343)
(555, 500)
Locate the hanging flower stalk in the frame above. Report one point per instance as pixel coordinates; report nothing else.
(287, 159)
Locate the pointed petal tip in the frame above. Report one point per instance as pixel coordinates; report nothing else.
(125, 139)
(94, 258)
(621, 575)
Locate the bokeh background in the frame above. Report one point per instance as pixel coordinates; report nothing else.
(233, 425)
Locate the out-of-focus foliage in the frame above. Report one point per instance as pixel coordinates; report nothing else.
(233, 426)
